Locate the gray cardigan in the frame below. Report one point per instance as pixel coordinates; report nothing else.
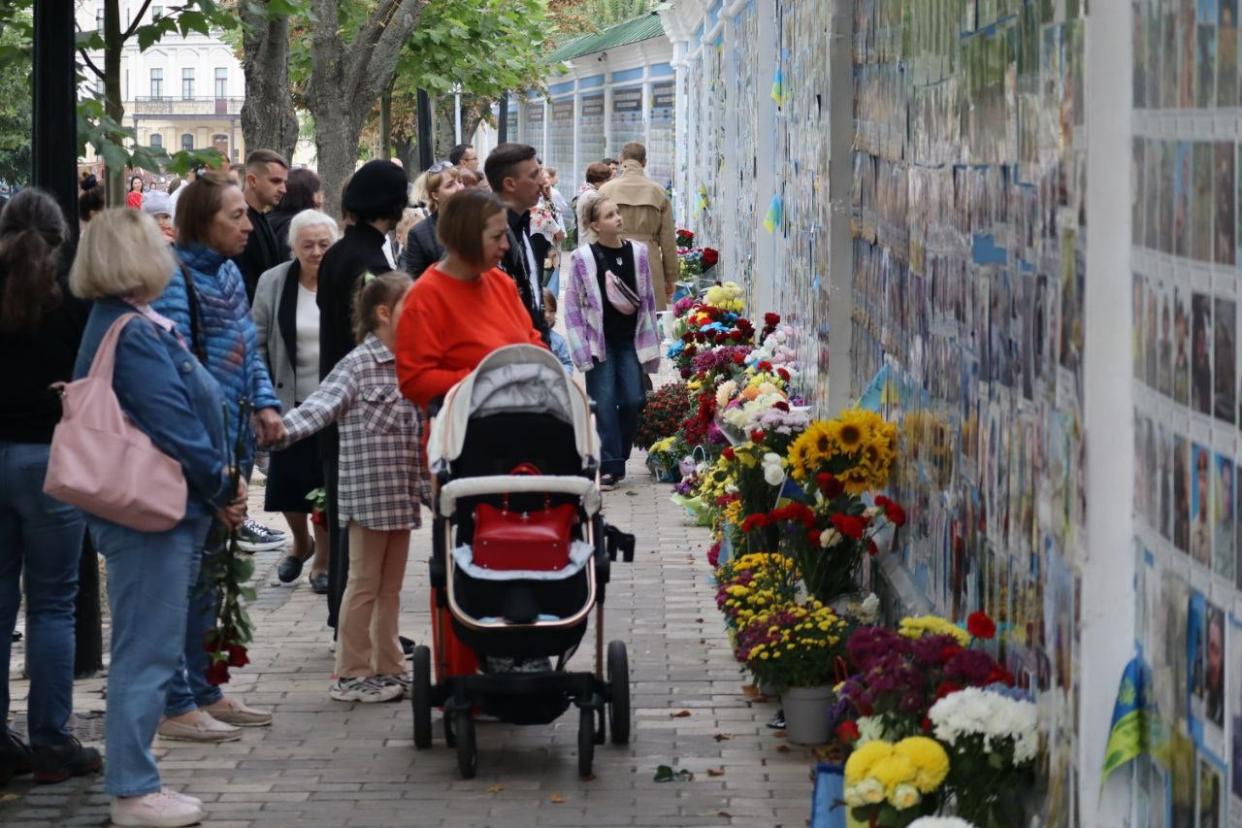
(275, 321)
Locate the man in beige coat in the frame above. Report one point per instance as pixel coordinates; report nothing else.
(647, 216)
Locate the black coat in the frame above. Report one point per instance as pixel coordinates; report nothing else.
(514, 263)
(279, 222)
(359, 251)
(262, 253)
(422, 248)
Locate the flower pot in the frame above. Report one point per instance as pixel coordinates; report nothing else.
(806, 714)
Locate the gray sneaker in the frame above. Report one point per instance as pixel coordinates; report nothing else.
(255, 537)
(364, 690)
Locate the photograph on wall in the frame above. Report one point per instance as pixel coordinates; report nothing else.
(1201, 378)
(1181, 345)
(1225, 353)
(1211, 800)
(1181, 493)
(1201, 505)
(1224, 537)
(1233, 687)
(1226, 192)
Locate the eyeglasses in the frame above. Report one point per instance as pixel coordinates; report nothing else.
(439, 166)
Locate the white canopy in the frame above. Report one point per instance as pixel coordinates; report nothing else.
(510, 380)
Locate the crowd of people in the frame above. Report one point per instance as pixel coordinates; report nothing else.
(243, 326)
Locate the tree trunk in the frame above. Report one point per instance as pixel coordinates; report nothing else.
(404, 147)
(445, 127)
(268, 117)
(336, 142)
(385, 123)
(114, 102)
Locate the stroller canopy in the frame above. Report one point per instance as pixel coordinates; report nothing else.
(514, 379)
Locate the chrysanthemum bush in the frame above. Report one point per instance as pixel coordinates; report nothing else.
(665, 410)
(793, 645)
(892, 784)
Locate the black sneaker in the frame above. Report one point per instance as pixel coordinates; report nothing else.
(778, 721)
(56, 763)
(14, 756)
(289, 568)
(255, 537)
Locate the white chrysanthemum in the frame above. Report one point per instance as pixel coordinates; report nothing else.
(994, 717)
(940, 822)
(904, 796)
(870, 609)
(870, 729)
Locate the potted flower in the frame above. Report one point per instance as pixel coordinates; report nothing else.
(993, 740)
(893, 784)
(797, 647)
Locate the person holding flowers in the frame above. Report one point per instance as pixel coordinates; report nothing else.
(122, 264)
(610, 319)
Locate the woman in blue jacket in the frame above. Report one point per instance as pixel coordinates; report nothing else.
(206, 301)
(123, 263)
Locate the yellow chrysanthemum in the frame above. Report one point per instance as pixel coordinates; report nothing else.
(864, 758)
(893, 770)
(929, 758)
(921, 625)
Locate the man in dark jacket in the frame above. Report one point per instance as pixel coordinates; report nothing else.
(516, 176)
(266, 174)
(375, 198)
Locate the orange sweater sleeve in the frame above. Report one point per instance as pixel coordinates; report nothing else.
(421, 373)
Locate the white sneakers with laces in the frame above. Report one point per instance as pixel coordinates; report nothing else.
(365, 690)
(163, 809)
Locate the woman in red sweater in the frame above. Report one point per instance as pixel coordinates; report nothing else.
(463, 307)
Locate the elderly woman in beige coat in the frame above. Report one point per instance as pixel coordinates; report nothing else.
(647, 216)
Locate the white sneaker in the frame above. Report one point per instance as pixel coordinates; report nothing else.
(365, 690)
(202, 728)
(184, 797)
(403, 680)
(163, 810)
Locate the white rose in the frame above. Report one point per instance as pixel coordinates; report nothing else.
(772, 459)
(829, 537)
(852, 797)
(905, 796)
(871, 791)
(870, 609)
(774, 475)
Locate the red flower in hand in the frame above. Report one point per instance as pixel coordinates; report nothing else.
(829, 485)
(218, 673)
(237, 656)
(847, 731)
(849, 525)
(895, 514)
(980, 626)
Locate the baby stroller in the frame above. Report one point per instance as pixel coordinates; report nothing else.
(520, 558)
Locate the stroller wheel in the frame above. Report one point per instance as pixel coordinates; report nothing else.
(467, 749)
(420, 697)
(450, 737)
(619, 688)
(586, 741)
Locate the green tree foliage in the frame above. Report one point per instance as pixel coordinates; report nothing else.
(15, 100)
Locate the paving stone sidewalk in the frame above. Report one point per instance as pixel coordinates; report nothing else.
(325, 763)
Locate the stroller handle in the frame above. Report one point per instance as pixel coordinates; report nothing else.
(519, 484)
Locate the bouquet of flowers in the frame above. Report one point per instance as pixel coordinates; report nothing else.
(663, 413)
(685, 238)
(893, 784)
(792, 645)
(727, 296)
(993, 740)
(900, 675)
(696, 261)
(752, 584)
(858, 448)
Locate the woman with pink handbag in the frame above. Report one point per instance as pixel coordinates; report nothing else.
(40, 537)
(611, 326)
(123, 263)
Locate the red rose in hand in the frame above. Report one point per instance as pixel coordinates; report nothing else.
(771, 319)
(980, 626)
(237, 656)
(849, 525)
(829, 485)
(847, 731)
(895, 514)
(218, 673)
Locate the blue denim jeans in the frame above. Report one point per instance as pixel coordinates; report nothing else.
(149, 578)
(189, 688)
(616, 386)
(554, 282)
(40, 538)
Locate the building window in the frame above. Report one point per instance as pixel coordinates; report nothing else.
(222, 82)
(157, 12)
(157, 83)
(187, 83)
(157, 140)
(187, 141)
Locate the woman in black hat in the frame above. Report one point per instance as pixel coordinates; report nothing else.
(374, 200)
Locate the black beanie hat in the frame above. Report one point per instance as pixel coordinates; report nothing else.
(378, 188)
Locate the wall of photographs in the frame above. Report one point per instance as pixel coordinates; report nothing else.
(743, 65)
(626, 117)
(532, 125)
(560, 142)
(1185, 256)
(661, 132)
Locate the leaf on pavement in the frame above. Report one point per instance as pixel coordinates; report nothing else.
(680, 714)
(557, 798)
(495, 788)
(723, 737)
(720, 771)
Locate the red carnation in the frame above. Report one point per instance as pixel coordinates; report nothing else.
(689, 350)
(755, 521)
(764, 365)
(738, 358)
(948, 651)
(237, 656)
(687, 337)
(757, 436)
(895, 514)
(728, 453)
(783, 374)
(829, 485)
(847, 731)
(1000, 675)
(771, 319)
(849, 525)
(980, 626)
(945, 688)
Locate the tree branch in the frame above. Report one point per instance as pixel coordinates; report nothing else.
(381, 59)
(91, 64)
(133, 24)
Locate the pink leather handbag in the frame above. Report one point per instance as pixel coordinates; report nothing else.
(102, 463)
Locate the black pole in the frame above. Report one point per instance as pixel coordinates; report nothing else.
(55, 136)
(55, 146)
(502, 122)
(426, 152)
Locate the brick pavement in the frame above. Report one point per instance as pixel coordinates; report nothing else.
(324, 763)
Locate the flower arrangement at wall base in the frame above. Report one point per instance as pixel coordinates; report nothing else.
(893, 784)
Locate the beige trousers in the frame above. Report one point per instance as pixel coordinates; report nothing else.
(367, 643)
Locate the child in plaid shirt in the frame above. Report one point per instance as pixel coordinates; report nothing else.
(382, 482)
